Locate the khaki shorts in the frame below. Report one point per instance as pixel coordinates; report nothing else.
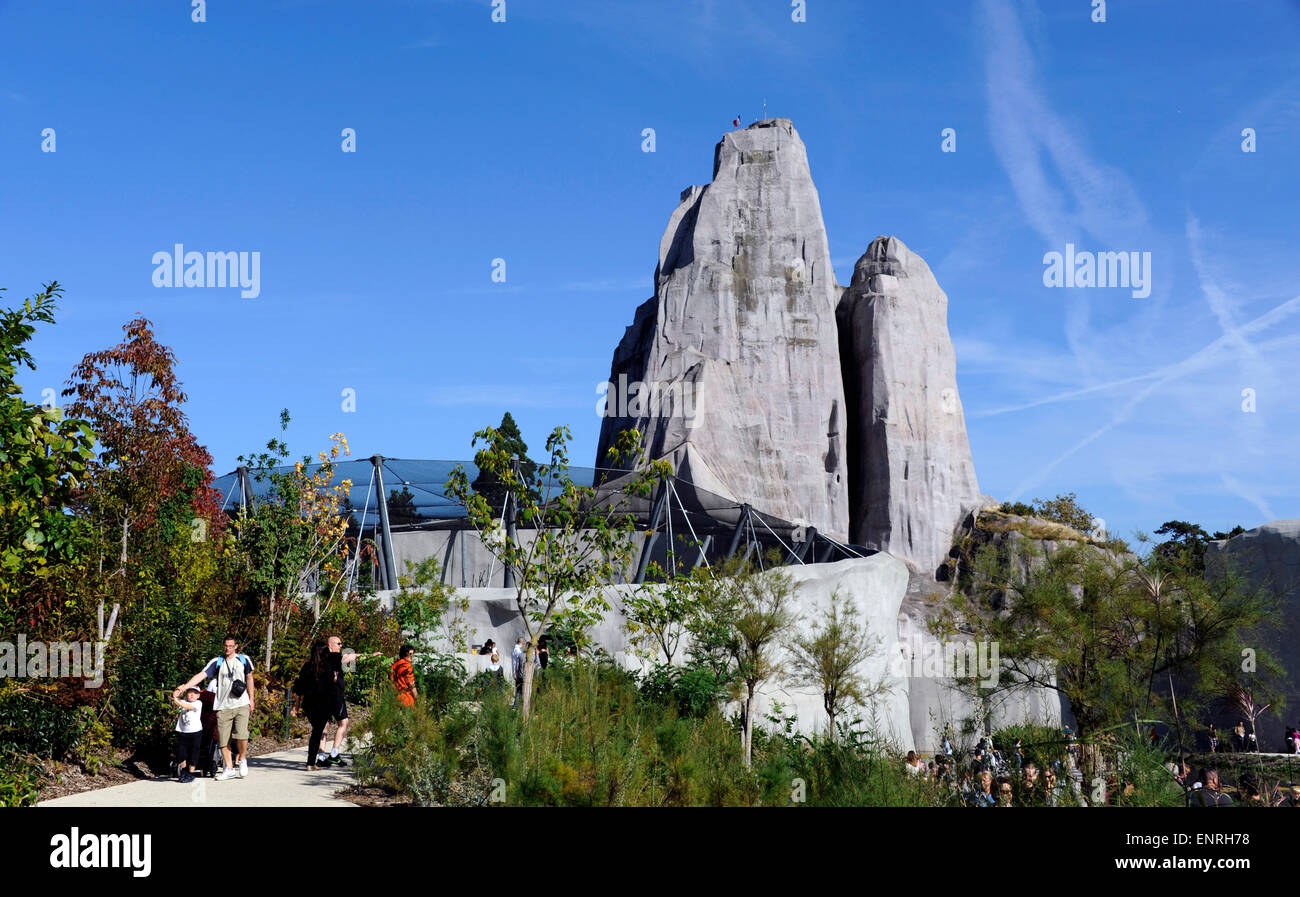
(236, 718)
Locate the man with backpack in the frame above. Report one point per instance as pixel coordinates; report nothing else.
(235, 696)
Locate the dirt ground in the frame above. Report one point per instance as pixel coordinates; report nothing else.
(374, 796)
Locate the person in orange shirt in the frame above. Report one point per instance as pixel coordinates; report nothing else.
(404, 676)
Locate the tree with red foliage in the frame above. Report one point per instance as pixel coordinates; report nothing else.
(151, 478)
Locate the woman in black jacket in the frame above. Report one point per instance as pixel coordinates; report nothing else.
(313, 689)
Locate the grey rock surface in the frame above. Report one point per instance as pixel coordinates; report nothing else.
(1268, 557)
(739, 343)
(935, 703)
(911, 475)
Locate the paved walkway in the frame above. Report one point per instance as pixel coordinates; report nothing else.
(274, 780)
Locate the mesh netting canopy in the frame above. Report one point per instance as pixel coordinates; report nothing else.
(696, 522)
(417, 489)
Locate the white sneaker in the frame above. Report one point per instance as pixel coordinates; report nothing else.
(225, 774)
(243, 768)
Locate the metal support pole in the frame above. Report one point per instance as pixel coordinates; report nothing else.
(809, 545)
(653, 535)
(246, 499)
(741, 524)
(508, 512)
(704, 550)
(381, 569)
(390, 567)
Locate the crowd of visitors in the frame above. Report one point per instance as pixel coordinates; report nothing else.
(990, 777)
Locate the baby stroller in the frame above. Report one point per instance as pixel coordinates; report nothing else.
(209, 750)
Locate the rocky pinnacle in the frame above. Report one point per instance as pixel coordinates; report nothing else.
(911, 475)
(738, 347)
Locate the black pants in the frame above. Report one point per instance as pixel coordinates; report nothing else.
(318, 717)
(187, 749)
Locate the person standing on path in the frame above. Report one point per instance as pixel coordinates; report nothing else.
(314, 688)
(338, 709)
(189, 730)
(234, 703)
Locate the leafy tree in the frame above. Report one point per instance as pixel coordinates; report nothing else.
(157, 533)
(427, 608)
(401, 507)
(830, 657)
(1185, 545)
(431, 617)
(572, 541)
(493, 488)
(298, 529)
(658, 614)
(1064, 509)
(743, 615)
(150, 484)
(43, 457)
(1106, 631)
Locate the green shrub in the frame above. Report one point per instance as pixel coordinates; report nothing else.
(1143, 779)
(409, 752)
(483, 683)
(371, 675)
(141, 679)
(440, 679)
(695, 690)
(21, 775)
(33, 719)
(1044, 745)
(94, 740)
(597, 739)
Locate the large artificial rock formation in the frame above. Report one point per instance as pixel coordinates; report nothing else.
(1268, 557)
(733, 365)
(833, 406)
(911, 475)
(765, 382)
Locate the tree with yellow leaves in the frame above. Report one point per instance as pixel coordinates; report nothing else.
(297, 530)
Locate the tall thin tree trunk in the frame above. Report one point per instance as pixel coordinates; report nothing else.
(122, 560)
(270, 634)
(529, 665)
(747, 729)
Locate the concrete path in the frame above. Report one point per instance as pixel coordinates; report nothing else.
(274, 780)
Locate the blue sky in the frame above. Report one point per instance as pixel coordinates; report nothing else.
(522, 140)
